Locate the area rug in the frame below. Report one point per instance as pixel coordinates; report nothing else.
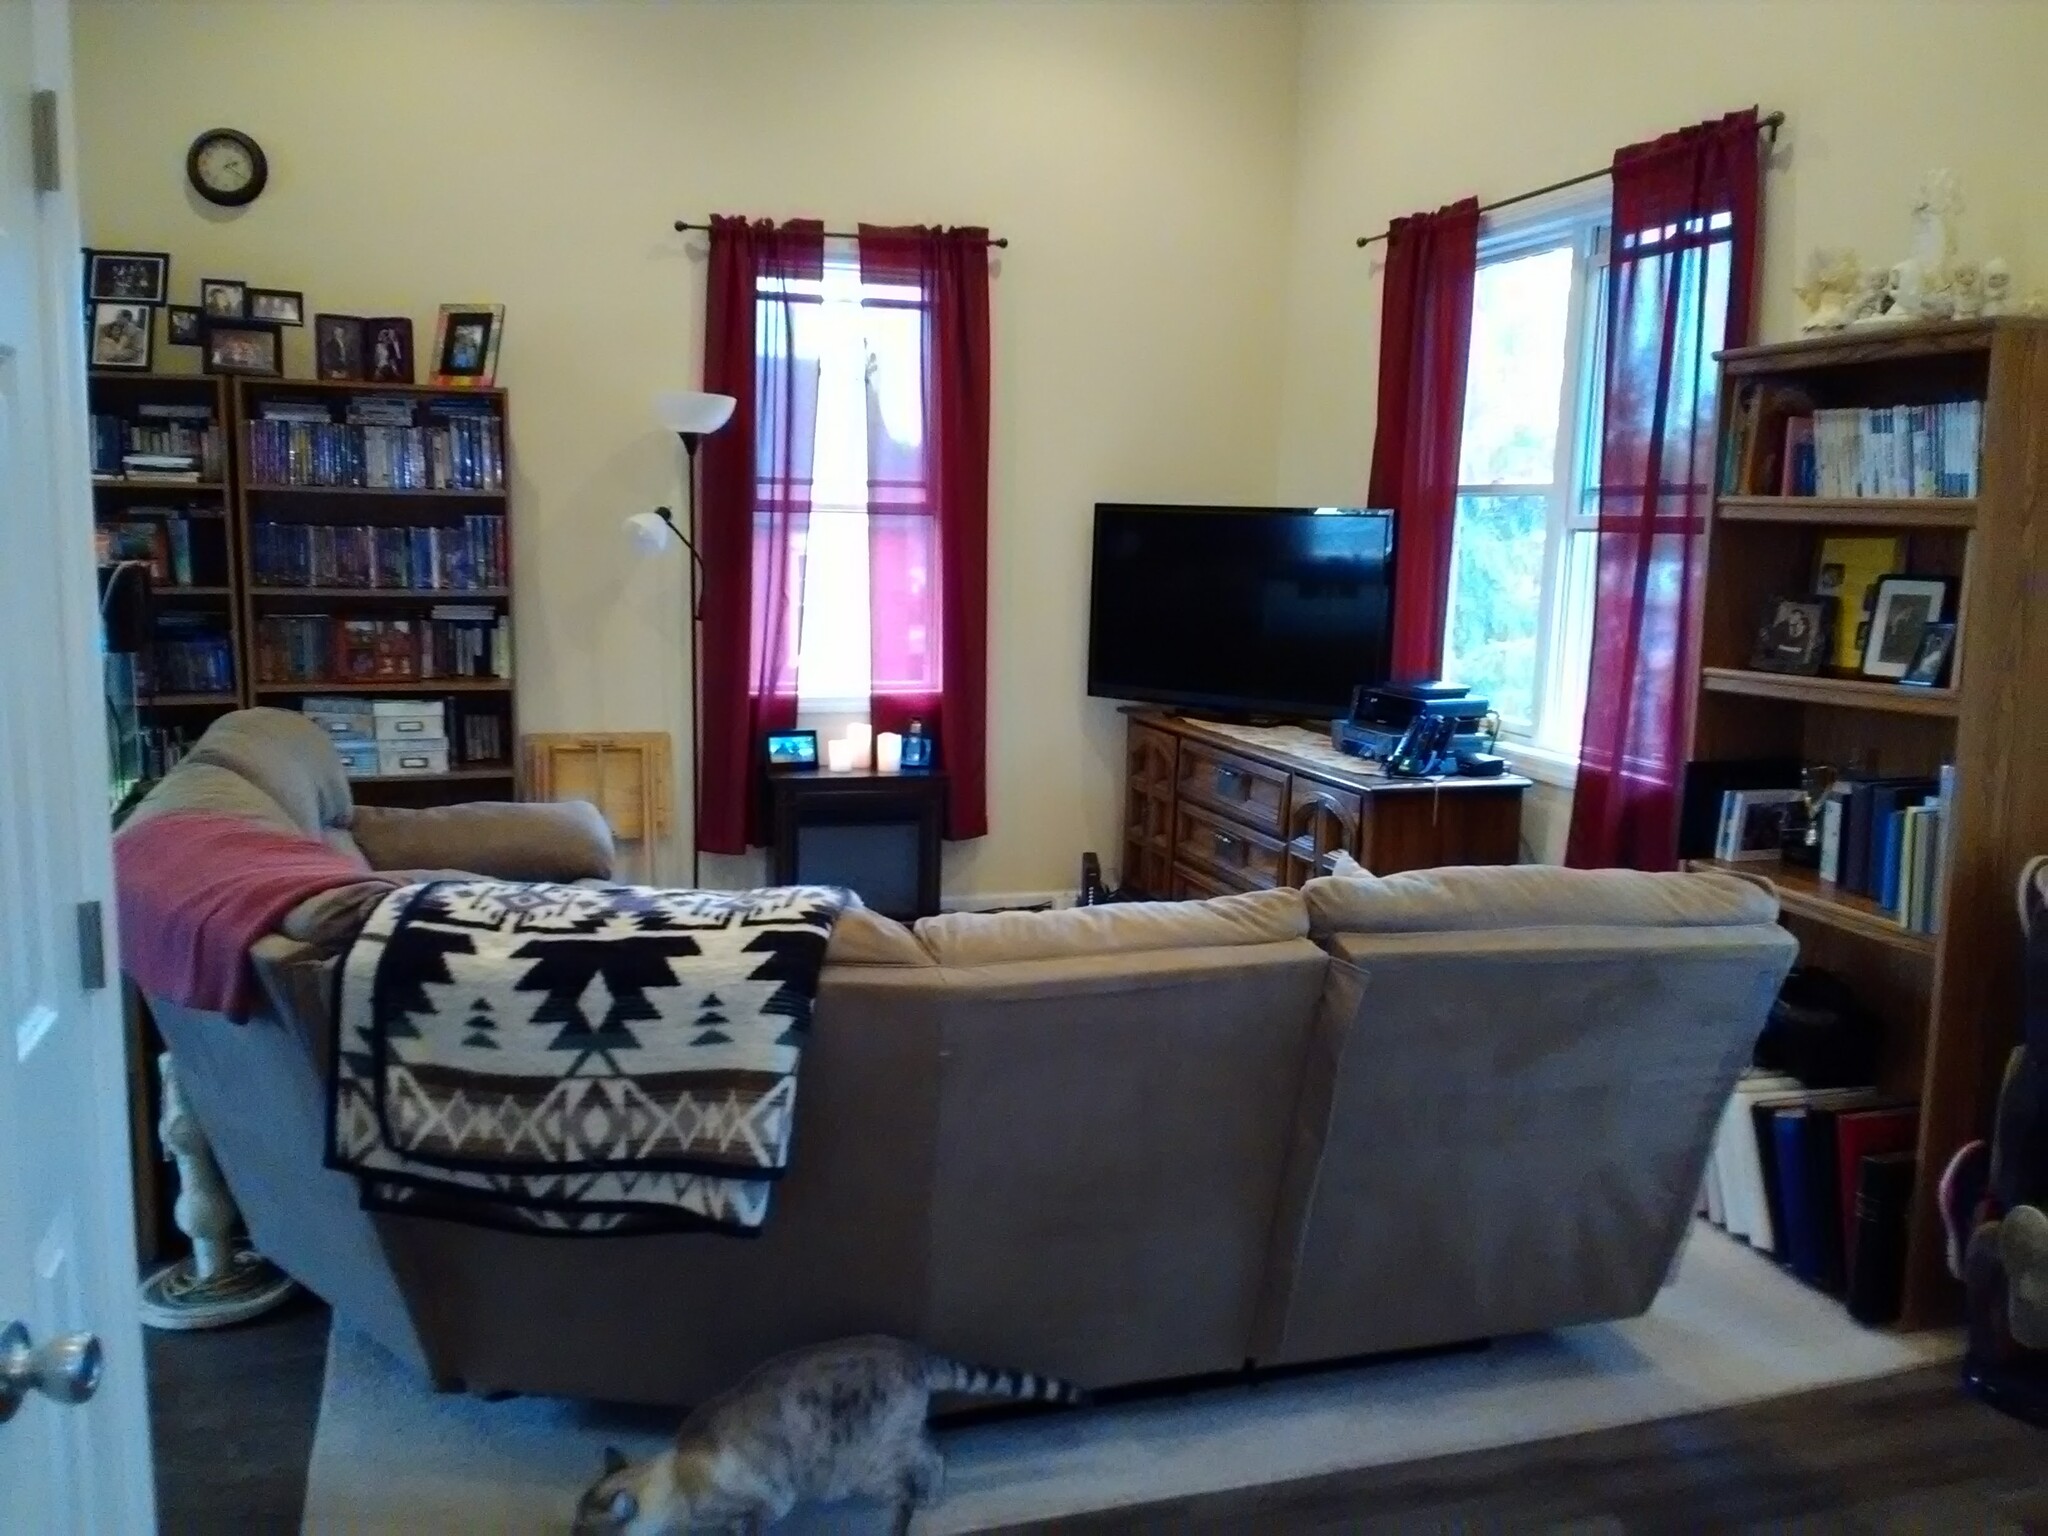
(391, 1456)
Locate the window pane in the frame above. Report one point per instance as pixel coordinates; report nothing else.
(1564, 714)
(1496, 598)
(1520, 310)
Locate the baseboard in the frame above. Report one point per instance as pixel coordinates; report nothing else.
(997, 901)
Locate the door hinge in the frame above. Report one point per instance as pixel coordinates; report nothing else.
(42, 133)
(92, 947)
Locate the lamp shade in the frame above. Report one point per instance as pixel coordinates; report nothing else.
(691, 413)
(651, 532)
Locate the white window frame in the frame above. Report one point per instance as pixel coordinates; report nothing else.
(1546, 747)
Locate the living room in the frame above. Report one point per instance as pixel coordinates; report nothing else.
(1181, 313)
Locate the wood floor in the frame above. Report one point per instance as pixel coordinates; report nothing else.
(233, 1416)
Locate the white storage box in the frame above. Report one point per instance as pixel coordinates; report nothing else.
(397, 759)
(408, 720)
(358, 758)
(345, 718)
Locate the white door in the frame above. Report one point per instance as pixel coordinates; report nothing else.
(67, 1246)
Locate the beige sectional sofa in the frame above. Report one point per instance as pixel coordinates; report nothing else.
(1123, 1144)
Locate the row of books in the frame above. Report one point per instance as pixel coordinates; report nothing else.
(1822, 1181)
(188, 653)
(1782, 444)
(1887, 841)
(467, 557)
(160, 442)
(480, 737)
(455, 641)
(164, 544)
(458, 449)
(163, 748)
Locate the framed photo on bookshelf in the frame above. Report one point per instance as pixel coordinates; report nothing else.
(1796, 635)
(183, 324)
(338, 346)
(224, 298)
(1931, 661)
(136, 277)
(466, 341)
(121, 336)
(252, 348)
(387, 349)
(1904, 607)
(280, 306)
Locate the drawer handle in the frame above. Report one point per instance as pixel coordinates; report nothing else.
(1226, 845)
(1232, 780)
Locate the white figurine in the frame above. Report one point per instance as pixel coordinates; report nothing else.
(1829, 289)
(1873, 287)
(1966, 283)
(1998, 299)
(1934, 221)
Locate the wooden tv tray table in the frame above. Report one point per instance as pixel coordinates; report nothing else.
(1211, 808)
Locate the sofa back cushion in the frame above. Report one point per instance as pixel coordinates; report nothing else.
(290, 759)
(1121, 928)
(200, 786)
(1480, 898)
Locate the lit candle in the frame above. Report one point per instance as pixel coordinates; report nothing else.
(861, 737)
(839, 754)
(888, 752)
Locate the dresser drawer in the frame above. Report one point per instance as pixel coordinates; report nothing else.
(1192, 884)
(1244, 790)
(1244, 857)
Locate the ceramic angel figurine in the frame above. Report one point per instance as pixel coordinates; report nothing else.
(1997, 284)
(1873, 286)
(1966, 283)
(1829, 289)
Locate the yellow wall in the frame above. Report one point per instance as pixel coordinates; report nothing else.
(536, 154)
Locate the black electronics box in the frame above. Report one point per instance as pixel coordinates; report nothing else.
(1380, 716)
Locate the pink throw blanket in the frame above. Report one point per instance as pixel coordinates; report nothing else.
(196, 889)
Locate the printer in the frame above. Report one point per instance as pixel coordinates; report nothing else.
(1381, 718)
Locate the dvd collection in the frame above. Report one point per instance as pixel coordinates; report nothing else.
(379, 446)
(468, 557)
(456, 641)
(169, 443)
(163, 543)
(188, 653)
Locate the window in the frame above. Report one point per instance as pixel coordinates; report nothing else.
(1520, 619)
(866, 343)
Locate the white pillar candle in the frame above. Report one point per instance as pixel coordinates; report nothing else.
(861, 737)
(839, 754)
(888, 752)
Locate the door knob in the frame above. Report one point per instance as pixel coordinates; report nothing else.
(65, 1370)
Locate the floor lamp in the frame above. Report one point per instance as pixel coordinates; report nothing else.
(692, 416)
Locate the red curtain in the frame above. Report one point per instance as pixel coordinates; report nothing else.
(755, 509)
(1425, 334)
(928, 443)
(1680, 283)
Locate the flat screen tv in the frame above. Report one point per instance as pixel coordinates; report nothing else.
(1251, 610)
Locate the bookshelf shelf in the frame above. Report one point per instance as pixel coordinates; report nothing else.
(1946, 1003)
(1850, 693)
(1803, 892)
(189, 700)
(173, 591)
(473, 773)
(157, 487)
(272, 488)
(1932, 512)
(392, 594)
(421, 685)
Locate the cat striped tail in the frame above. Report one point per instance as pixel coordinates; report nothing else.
(943, 1375)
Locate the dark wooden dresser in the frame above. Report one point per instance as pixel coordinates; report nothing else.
(1210, 809)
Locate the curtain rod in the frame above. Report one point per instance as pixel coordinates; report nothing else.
(1768, 126)
(1000, 242)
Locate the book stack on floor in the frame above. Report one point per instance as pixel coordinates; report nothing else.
(1887, 840)
(1820, 1179)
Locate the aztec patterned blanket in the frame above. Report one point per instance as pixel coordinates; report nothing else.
(575, 1059)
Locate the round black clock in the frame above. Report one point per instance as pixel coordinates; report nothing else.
(226, 167)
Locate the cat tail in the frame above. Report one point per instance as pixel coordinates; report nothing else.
(944, 1375)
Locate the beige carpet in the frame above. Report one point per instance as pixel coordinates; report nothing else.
(392, 1457)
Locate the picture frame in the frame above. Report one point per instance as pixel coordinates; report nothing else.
(130, 277)
(1930, 665)
(1753, 823)
(224, 298)
(121, 335)
(1904, 606)
(918, 752)
(466, 339)
(279, 306)
(251, 348)
(184, 325)
(792, 749)
(338, 347)
(1796, 635)
(387, 349)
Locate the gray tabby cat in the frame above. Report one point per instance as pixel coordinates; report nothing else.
(830, 1423)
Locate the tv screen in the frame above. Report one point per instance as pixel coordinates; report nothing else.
(1276, 610)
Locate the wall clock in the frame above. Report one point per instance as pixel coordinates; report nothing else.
(226, 167)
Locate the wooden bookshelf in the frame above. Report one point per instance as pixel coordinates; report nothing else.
(175, 717)
(1947, 1002)
(350, 507)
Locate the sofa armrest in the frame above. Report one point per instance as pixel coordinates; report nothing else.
(553, 840)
